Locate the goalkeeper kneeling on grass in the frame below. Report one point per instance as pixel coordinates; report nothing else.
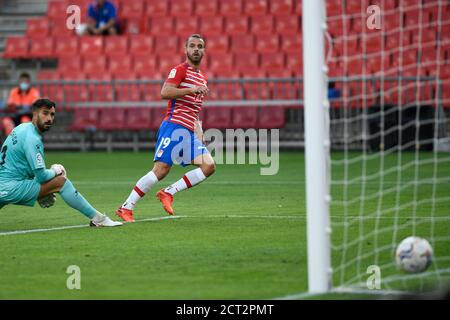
(24, 178)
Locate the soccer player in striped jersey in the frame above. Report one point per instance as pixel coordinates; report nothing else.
(180, 137)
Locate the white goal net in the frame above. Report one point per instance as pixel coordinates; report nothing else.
(389, 94)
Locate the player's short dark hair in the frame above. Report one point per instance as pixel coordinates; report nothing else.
(42, 103)
(25, 75)
(196, 36)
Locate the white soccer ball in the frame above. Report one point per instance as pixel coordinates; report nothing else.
(414, 255)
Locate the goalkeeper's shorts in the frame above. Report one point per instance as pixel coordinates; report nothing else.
(20, 192)
(177, 145)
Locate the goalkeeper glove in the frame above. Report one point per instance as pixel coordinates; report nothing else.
(47, 201)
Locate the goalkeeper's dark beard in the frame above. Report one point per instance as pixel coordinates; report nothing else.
(42, 126)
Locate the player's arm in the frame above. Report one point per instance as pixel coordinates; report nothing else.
(34, 151)
(171, 91)
(43, 175)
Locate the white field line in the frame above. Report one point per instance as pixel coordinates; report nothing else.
(233, 182)
(292, 217)
(10, 233)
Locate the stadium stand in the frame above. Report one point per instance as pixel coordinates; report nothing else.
(245, 39)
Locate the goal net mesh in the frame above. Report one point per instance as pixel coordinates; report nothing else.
(389, 93)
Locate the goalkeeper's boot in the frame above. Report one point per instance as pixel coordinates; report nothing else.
(102, 220)
(167, 200)
(125, 214)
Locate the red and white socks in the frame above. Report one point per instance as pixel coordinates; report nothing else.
(142, 187)
(189, 180)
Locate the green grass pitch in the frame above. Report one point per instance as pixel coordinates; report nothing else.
(239, 235)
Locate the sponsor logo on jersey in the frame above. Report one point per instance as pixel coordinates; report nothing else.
(172, 73)
(39, 161)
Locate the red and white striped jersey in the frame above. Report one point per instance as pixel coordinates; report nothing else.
(185, 110)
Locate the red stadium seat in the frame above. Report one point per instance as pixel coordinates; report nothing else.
(47, 75)
(126, 91)
(334, 8)
(101, 91)
(158, 26)
(66, 46)
(247, 60)
(74, 91)
(59, 28)
(252, 72)
(167, 62)
(231, 8)
(152, 75)
(157, 116)
(219, 61)
(378, 64)
(411, 18)
(267, 43)
(243, 43)
(256, 91)
(338, 27)
(286, 90)
(16, 47)
(279, 72)
(281, 7)
(391, 20)
(91, 46)
(111, 119)
(298, 7)
(133, 25)
(256, 7)
(244, 117)
(285, 25)
(138, 118)
(38, 27)
(409, 57)
(185, 27)
(294, 62)
(94, 64)
(124, 75)
(84, 118)
(57, 8)
(236, 25)
(211, 26)
(132, 9)
(355, 67)
(372, 42)
(119, 62)
(166, 44)
(291, 43)
(157, 8)
(217, 43)
(42, 47)
(217, 117)
(116, 45)
(206, 8)
(262, 25)
(182, 8)
(224, 72)
(141, 44)
(271, 118)
(392, 40)
(269, 60)
(68, 64)
(144, 62)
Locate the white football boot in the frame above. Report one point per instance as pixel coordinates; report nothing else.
(102, 220)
